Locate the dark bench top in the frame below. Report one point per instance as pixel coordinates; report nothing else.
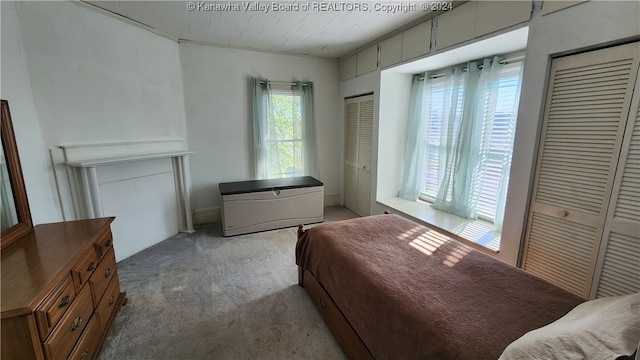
(243, 187)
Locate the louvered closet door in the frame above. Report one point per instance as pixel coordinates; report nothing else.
(586, 112)
(365, 146)
(357, 158)
(351, 155)
(618, 268)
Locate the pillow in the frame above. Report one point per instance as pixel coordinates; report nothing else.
(604, 328)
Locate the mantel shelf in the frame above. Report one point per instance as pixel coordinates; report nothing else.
(124, 159)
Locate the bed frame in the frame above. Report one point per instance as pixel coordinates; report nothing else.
(347, 337)
(547, 304)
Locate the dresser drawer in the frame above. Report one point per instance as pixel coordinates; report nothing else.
(104, 244)
(102, 275)
(88, 343)
(52, 308)
(65, 335)
(84, 268)
(109, 300)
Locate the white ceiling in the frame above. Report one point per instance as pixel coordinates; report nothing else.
(326, 29)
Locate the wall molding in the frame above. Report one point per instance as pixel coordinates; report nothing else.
(127, 20)
(206, 215)
(331, 199)
(80, 152)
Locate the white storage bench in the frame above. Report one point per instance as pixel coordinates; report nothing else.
(257, 205)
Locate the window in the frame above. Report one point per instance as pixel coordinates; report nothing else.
(465, 124)
(288, 141)
(284, 130)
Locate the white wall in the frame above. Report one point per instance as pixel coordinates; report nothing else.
(96, 79)
(218, 96)
(15, 88)
(395, 89)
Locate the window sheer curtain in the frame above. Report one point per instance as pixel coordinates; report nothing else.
(265, 150)
(468, 103)
(265, 134)
(414, 154)
(310, 146)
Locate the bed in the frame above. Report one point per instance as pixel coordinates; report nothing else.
(389, 288)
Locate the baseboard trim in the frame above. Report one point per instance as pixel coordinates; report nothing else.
(214, 214)
(206, 215)
(331, 199)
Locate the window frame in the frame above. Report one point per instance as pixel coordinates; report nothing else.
(283, 90)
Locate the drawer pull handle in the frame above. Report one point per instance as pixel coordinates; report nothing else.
(76, 323)
(324, 306)
(85, 353)
(111, 299)
(64, 302)
(108, 243)
(107, 272)
(91, 266)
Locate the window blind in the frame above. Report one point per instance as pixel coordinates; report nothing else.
(498, 130)
(501, 131)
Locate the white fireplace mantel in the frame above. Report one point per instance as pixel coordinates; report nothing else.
(87, 158)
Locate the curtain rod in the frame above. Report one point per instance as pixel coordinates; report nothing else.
(503, 61)
(305, 83)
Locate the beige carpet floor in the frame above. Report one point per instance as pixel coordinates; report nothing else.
(204, 296)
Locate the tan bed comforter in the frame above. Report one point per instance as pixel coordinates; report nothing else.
(413, 293)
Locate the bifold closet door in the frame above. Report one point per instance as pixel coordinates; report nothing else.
(586, 112)
(618, 268)
(357, 157)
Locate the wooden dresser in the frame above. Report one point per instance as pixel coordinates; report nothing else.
(60, 291)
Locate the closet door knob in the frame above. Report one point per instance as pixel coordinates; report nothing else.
(563, 213)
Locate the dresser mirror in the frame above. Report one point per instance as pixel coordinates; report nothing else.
(15, 217)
